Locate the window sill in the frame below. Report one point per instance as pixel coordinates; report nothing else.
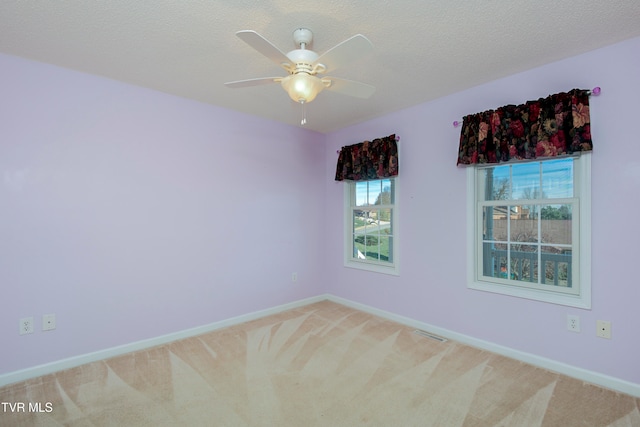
(375, 268)
(533, 294)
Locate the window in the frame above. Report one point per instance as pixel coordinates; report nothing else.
(530, 230)
(371, 229)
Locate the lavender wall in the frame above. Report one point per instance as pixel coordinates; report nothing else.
(432, 285)
(132, 214)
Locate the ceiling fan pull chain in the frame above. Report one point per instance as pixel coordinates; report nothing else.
(304, 114)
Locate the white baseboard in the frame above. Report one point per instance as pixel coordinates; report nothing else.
(72, 362)
(606, 381)
(551, 365)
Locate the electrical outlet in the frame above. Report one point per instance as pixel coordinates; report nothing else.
(603, 329)
(48, 322)
(294, 277)
(26, 325)
(573, 323)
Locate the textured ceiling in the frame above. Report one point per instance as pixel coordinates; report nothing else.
(423, 49)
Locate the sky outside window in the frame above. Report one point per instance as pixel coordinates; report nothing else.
(553, 177)
(367, 192)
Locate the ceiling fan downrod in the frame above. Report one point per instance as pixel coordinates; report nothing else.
(302, 37)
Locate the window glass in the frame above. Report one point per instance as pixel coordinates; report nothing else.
(527, 231)
(372, 229)
(557, 180)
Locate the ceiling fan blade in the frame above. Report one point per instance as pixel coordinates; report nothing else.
(349, 87)
(345, 52)
(265, 47)
(253, 82)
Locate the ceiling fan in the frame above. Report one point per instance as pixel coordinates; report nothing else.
(304, 66)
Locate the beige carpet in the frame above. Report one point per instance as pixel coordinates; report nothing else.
(320, 365)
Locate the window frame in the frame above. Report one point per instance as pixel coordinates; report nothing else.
(582, 275)
(350, 261)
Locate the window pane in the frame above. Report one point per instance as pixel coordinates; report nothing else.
(494, 260)
(384, 218)
(362, 193)
(375, 187)
(557, 178)
(494, 183)
(524, 262)
(495, 222)
(359, 219)
(385, 249)
(557, 266)
(523, 227)
(384, 196)
(387, 226)
(526, 181)
(372, 250)
(359, 247)
(556, 223)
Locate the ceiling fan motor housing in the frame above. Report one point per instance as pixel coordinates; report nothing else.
(303, 60)
(302, 35)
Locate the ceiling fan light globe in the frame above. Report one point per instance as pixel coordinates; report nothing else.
(302, 87)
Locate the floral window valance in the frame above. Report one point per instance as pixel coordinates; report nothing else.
(558, 125)
(368, 160)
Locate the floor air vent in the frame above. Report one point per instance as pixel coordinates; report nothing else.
(430, 335)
